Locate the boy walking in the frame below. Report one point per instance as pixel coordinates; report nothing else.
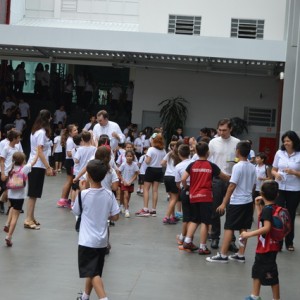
(98, 205)
(264, 270)
(240, 209)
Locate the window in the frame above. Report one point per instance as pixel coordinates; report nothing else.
(68, 5)
(247, 29)
(265, 117)
(189, 25)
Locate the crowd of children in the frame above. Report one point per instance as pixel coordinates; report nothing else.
(94, 170)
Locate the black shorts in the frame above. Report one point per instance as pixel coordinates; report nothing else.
(75, 186)
(153, 174)
(201, 212)
(141, 179)
(185, 206)
(265, 268)
(239, 216)
(58, 156)
(69, 163)
(90, 261)
(170, 184)
(16, 204)
(36, 182)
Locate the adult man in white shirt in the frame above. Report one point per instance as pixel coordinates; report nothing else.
(222, 153)
(110, 128)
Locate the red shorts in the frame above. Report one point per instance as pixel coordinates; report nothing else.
(129, 189)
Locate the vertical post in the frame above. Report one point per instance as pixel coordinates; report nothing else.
(7, 19)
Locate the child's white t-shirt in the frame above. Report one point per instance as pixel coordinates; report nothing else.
(143, 165)
(244, 176)
(138, 144)
(97, 206)
(57, 142)
(83, 155)
(170, 169)
(19, 193)
(7, 154)
(69, 146)
(156, 157)
(261, 172)
(110, 177)
(128, 171)
(39, 138)
(180, 168)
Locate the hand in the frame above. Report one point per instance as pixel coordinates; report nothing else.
(289, 171)
(49, 171)
(258, 200)
(221, 209)
(115, 135)
(82, 184)
(245, 235)
(278, 176)
(75, 180)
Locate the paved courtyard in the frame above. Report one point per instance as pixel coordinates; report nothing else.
(144, 263)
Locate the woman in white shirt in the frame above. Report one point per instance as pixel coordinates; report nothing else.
(286, 170)
(153, 175)
(40, 134)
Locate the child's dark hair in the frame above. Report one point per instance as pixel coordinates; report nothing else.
(57, 131)
(262, 155)
(86, 136)
(66, 133)
(96, 169)
(7, 128)
(269, 190)
(13, 134)
(18, 158)
(77, 139)
(129, 152)
(184, 150)
(103, 154)
(202, 148)
(103, 140)
(244, 148)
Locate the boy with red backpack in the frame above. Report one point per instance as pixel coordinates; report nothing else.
(274, 224)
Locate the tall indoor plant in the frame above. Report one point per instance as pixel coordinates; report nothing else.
(173, 115)
(239, 126)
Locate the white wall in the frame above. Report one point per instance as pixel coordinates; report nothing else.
(211, 96)
(216, 15)
(17, 11)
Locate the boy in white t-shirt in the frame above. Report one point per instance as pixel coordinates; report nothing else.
(239, 212)
(98, 205)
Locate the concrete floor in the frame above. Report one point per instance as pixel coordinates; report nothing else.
(144, 263)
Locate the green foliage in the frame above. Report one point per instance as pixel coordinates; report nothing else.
(173, 115)
(238, 126)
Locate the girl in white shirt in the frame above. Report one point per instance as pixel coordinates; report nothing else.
(153, 175)
(67, 142)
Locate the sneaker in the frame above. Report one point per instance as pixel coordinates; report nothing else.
(153, 213)
(122, 209)
(173, 221)
(166, 220)
(178, 215)
(237, 258)
(217, 259)
(6, 228)
(250, 298)
(63, 203)
(127, 214)
(188, 247)
(142, 213)
(8, 242)
(179, 241)
(80, 296)
(205, 251)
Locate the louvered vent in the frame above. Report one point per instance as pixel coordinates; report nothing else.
(247, 29)
(69, 5)
(265, 117)
(188, 25)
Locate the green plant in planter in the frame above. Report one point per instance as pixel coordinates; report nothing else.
(173, 115)
(239, 126)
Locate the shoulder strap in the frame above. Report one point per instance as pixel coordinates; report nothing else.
(80, 203)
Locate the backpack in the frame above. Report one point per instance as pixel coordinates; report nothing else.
(16, 179)
(281, 223)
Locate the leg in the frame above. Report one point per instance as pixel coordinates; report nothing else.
(98, 286)
(154, 194)
(126, 199)
(172, 202)
(88, 286)
(67, 186)
(14, 219)
(203, 233)
(146, 193)
(226, 241)
(256, 287)
(276, 291)
(191, 229)
(30, 209)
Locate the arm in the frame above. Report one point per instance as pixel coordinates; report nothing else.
(114, 218)
(263, 230)
(35, 158)
(2, 160)
(133, 178)
(276, 174)
(42, 157)
(230, 190)
(81, 173)
(184, 178)
(224, 176)
(147, 159)
(54, 147)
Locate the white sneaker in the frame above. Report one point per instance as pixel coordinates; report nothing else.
(127, 214)
(122, 209)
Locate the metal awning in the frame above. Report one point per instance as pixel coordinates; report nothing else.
(142, 50)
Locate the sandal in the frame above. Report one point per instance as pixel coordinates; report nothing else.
(290, 248)
(36, 222)
(31, 225)
(8, 242)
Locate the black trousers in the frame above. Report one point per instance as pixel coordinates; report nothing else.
(290, 200)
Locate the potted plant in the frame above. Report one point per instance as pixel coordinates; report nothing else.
(173, 115)
(239, 126)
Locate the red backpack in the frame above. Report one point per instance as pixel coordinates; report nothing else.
(281, 223)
